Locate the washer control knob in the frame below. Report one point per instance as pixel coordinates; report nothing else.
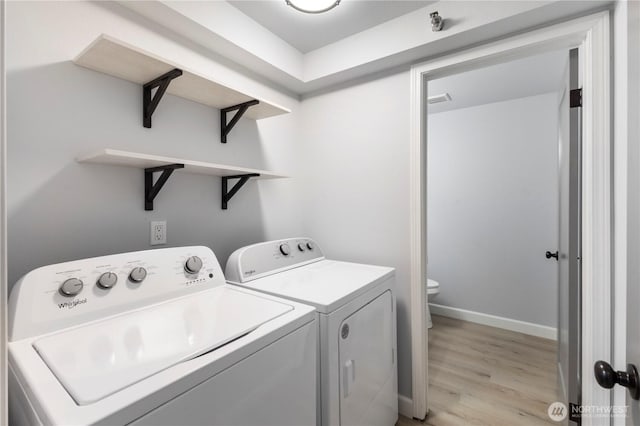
(107, 280)
(310, 245)
(285, 250)
(138, 274)
(302, 247)
(193, 265)
(71, 287)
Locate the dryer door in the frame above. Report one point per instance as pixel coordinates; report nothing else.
(367, 365)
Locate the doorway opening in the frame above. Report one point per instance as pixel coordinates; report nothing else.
(497, 216)
(590, 35)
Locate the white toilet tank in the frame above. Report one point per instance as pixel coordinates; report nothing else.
(433, 287)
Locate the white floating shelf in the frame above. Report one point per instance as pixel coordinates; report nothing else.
(144, 161)
(119, 59)
(155, 163)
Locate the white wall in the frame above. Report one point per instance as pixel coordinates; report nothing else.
(3, 229)
(355, 198)
(492, 208)
(60, 210)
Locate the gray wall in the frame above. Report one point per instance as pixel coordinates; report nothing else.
(60, 210)
(492, 208)
(355, 146)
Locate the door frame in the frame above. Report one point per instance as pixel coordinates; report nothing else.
(592, 36)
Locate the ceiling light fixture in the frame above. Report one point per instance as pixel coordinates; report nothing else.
(313, 6)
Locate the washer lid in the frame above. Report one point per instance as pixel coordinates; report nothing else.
(327, 284)
(98, 359)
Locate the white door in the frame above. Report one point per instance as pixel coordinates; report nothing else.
(569, 237)
(563, 240)
(367, 365)
(633, 235)
(633, 296)
(633, 200)
(626, 374)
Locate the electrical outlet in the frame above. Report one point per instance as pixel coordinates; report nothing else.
(158, 232)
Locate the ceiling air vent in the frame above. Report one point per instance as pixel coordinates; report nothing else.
(445, 97)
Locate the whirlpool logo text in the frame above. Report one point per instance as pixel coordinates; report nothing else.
(72, 304)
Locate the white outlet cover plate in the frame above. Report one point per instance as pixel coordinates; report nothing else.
(158, 232)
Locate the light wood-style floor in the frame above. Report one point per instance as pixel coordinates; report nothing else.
(480, 375)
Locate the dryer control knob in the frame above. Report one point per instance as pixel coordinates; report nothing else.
(302, 247)
(137, 275)
(71, 287)
(107, 280)
(193, 265)
(284, 249)
(310, 245)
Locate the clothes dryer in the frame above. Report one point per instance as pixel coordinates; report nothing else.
(356, 309)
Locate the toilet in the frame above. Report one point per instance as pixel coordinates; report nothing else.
(433, 288)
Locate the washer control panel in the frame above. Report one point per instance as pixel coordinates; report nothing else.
(259, 260)
(71, 293)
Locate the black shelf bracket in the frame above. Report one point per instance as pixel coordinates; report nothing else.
(225, 127)
(151, 189)
(149, 103)
(226, 194)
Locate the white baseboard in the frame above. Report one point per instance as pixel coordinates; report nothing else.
(495, 321)
(405, 406)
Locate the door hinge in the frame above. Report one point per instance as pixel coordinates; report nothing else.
(574, 413)
(575, 98)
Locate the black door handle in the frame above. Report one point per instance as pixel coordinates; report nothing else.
(549, 255)
(607, 377)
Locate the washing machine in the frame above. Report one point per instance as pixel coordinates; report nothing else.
(156, 338)
(356, 310)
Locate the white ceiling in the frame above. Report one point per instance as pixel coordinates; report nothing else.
(224, 30)
(307, 32)
(530, 76)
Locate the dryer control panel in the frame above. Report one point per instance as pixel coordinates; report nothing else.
(259, 260)
(72, 293)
